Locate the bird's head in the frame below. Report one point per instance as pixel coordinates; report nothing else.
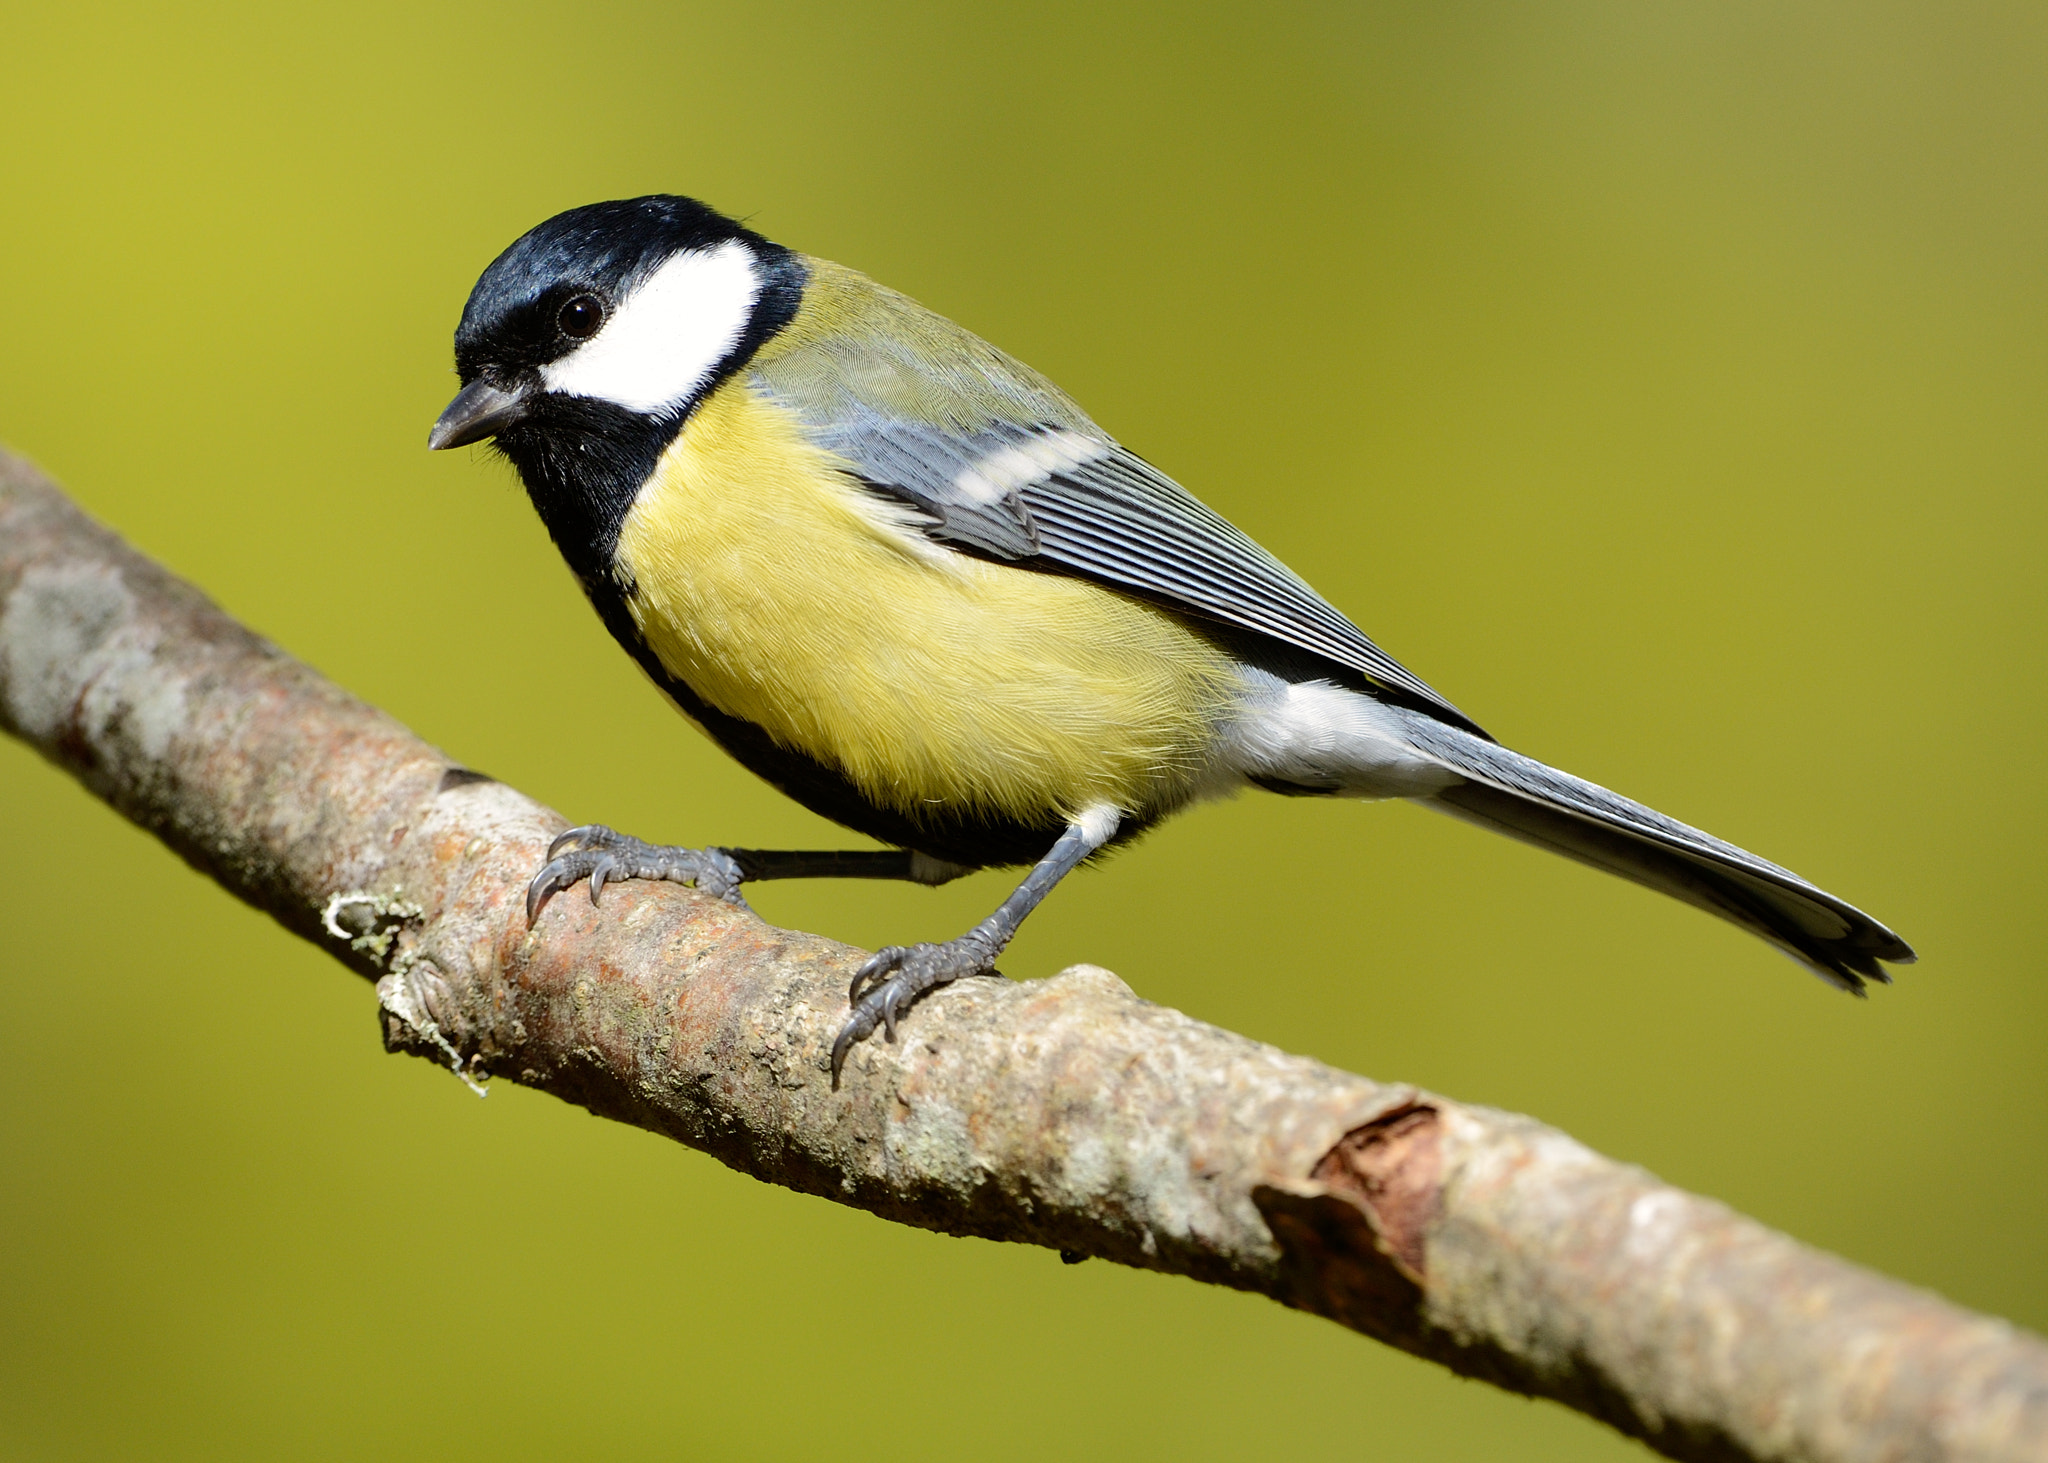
(614, 317)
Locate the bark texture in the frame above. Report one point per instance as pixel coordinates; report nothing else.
(1063, 1112)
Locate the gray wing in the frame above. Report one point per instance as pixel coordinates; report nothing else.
(1122, 520)
(998, 460)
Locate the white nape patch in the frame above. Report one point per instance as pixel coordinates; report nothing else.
(1003, 471)
(1098, 823)
(663, 339)
(1317, 734)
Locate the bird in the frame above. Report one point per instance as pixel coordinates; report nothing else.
(908, 581)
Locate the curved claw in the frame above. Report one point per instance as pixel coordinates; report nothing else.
(550, 881)
(882, 1004)
(849, 1034)
(889, 980)
(874, 968)
(561, 868)
(574, 837)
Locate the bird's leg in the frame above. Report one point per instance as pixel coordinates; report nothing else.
(603, 856)
(896, 975)
(886, 863)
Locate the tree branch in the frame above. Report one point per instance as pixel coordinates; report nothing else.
(1063, 1112)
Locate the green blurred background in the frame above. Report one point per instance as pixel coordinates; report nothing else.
(1665, 383)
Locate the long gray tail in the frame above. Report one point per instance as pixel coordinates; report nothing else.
(1524, 799)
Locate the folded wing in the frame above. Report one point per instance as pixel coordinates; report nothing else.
(998, 461)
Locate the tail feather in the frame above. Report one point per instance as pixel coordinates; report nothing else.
(1524, 799)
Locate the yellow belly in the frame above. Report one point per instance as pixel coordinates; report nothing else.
(782, 592)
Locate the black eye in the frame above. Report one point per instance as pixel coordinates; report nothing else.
(580, 317)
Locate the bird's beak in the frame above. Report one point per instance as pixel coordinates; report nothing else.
(479, 410)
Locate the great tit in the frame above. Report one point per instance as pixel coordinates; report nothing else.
(908, 581)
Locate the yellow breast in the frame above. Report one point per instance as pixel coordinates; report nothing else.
(784, 593)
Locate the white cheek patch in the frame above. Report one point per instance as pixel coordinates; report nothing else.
(993, 478)
(663, 340)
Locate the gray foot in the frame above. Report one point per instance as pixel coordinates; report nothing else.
(897, 975)
(599, 854)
